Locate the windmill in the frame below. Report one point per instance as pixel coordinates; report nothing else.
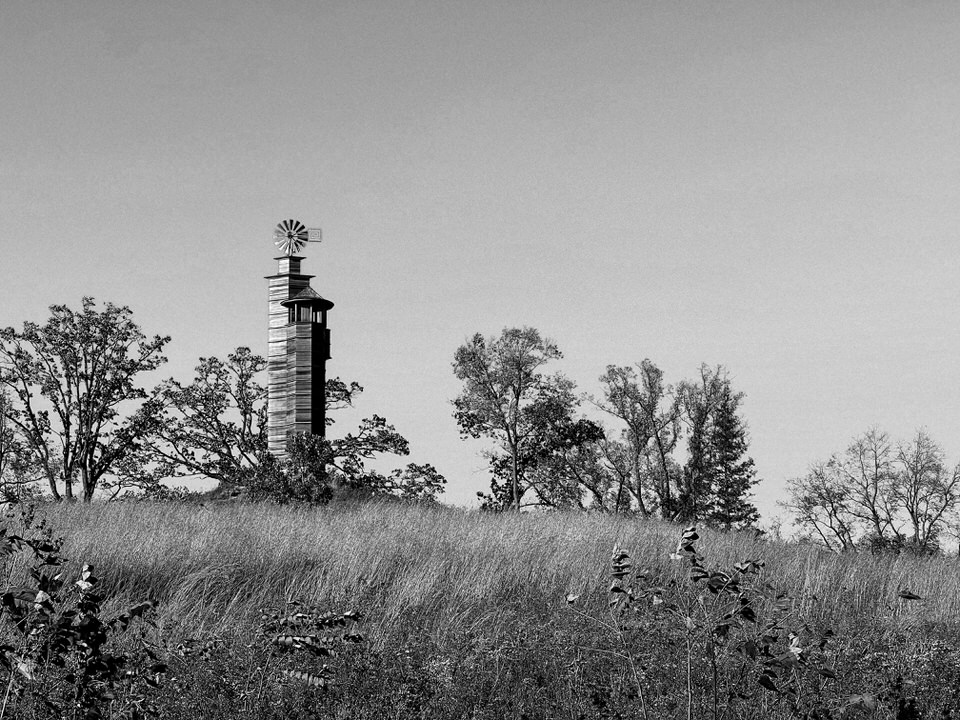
(299, 343)
(291, 235)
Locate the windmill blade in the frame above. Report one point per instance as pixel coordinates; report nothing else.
(291, 235)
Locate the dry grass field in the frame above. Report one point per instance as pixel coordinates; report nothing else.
(470, 615)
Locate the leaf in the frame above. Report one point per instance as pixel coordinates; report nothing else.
(312, 643)
(766, 682)
(87, 580)
(123, 620)
(698, 573)
(27, 668)
(310, 679)
(571, 598)
(907, 595)
(862, 702)
(795, 646)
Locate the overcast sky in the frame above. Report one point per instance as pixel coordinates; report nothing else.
(770, 186)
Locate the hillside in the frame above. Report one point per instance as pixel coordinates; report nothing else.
(466, 614)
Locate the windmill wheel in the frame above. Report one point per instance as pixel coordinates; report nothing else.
(291, 236)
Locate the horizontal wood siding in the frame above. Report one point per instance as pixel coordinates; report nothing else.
(296, 355)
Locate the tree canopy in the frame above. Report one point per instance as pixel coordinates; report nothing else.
(215, 427)
(544, 453)
(879, 494)
(502, 389)
(69, 378)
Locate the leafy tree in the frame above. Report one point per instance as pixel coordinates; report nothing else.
(568, 468)
(16, 472)
(502, 380)
(561, 462)
(421, 483)
(215, 427)
(713, 484)
(317, 470)
(699, 403)
(650, 411)
(70, 376)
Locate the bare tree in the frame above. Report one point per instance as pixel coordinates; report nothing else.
(879, 494)
(870, 475)
(821, 504)
(926, 490)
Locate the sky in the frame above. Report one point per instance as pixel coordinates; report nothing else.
(774, 187)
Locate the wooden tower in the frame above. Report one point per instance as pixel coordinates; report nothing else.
(299, 345)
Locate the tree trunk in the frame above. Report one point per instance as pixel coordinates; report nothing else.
(516, 489)
(89, 485)
(52, 482)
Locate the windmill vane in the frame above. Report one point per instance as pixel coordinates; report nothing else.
(291, 235)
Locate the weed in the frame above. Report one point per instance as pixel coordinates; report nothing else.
(60, 653)
(732, 629)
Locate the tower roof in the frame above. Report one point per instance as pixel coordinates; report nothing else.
(308, 296)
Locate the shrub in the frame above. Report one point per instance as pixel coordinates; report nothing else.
(60, 654)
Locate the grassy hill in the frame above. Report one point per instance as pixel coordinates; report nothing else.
(470, 615)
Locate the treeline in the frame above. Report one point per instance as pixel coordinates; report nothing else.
(546, 453)
(75, 420)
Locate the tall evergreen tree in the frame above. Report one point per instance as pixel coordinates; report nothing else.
(731, 470)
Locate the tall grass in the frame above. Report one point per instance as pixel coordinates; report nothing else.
(477, 601)
(209, 565)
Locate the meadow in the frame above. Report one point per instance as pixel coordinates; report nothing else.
(475, 615)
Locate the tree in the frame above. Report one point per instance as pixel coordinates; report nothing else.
(317, 470)
(880, 495)
(821, 505)
(560, 465)
(869, 472)
(16, 474)
(502, 379)
(651, 413)
(699, 402)
(568, 468)
(926, 490)
(215, 427)
(730, 470)
(70, 377)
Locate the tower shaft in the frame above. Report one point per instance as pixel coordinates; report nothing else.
(298, 348)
